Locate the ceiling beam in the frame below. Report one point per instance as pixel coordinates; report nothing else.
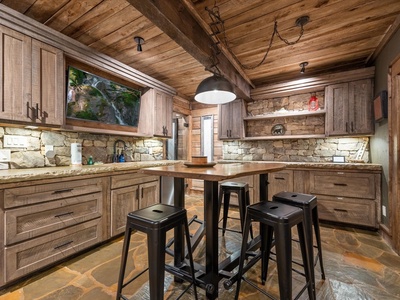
(174, 19)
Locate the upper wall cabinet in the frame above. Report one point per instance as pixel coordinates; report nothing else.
(32, 80)
(230, 120)
(349, 108)
(155, 114)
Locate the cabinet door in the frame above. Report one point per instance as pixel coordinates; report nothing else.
(281, 181)
(360, 103)
(337, 116)
(163, 115)
(149, 194)
(230, 120)
(47, 83)
(123, 201)
(15, 76)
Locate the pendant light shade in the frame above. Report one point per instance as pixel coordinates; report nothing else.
(215, 90)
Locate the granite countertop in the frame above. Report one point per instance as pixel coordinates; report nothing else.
(19, 175)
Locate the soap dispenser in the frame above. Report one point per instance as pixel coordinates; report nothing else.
(121, 157)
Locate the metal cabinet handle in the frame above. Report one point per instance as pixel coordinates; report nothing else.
(340, 184)
(230, 133)
(352, 127)
(64, 214)
(62, 191)
(63, 245)
(340, 210)
(347, 126)
(279, 178)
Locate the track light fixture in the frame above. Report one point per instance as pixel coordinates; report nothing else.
(303, 66)
(139, 41)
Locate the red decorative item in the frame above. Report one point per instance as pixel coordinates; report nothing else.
(313, 103)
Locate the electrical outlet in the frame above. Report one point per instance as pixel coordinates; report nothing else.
(384, 210)
(5, 155)
(15, 141)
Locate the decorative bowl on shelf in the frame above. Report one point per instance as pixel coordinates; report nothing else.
(278, 129)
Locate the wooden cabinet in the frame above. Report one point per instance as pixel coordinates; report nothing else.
(155, 114)
(130, 192)
(349, 108)
(347, 197)
(281, 181)
(32, 80)
(230, 120)
(46, 222)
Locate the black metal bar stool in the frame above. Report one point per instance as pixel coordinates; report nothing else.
(155, 221)
(308, 203)
(275, 219)
(242, 190)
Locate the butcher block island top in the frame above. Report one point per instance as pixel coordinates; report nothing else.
(215, 173)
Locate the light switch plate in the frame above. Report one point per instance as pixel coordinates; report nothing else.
(15, 141)
(5, 155)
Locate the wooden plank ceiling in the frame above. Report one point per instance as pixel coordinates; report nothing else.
(341, 35)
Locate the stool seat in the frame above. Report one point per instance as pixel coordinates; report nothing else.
(242, 190)
(308, 203)
(155, 221)
(276, 219)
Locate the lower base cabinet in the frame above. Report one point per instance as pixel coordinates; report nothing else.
(48, 220)
(130, 192)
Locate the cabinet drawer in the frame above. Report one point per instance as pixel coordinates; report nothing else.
(343, 184)
(35, 220)
(29, 256)
(125, 180)
(346, 210)
(46, 192)
(279, 182)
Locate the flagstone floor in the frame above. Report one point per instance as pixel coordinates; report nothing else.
(358, 265)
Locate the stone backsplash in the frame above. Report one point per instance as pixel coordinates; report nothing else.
(296, 150)
(100, 147)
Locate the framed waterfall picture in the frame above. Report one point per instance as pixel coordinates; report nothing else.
(94, 101)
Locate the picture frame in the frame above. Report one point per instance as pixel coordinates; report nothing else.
(380, 106)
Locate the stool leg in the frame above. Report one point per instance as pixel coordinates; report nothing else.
(125, 250)
(266, 243)
(243, 251)
(283, 246)
(318, 239)
(227, 197)
(308, 265)
(307, 224)
(156, 261)
(189, 248)
(247, 201)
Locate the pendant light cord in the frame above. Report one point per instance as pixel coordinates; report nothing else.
(217, 27)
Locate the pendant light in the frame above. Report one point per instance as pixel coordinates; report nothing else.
(215, 90)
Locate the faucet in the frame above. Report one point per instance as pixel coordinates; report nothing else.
(115, 155)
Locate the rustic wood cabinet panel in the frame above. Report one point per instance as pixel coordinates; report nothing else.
(32, 77)
(26, 257)
(230, 120)
(31, 221)
(155, 114)
(50, 220)
(281, 181)
(347, 210)
(347, 197)
(130, 192)
(349, 108)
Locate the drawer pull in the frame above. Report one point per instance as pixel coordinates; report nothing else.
(340, 184)
(63, 245)
(62, 191)
(340, 210)
(64, 214)
(279, 178)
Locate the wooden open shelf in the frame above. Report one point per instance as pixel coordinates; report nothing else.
(284, 137)
(285, 115)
